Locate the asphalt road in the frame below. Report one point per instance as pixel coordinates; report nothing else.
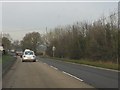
(39, 75)
(99, 78)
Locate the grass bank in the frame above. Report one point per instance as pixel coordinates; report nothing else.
(7, 62)
(0, 59)
(7, 58)
(108, 65)
(102, 64)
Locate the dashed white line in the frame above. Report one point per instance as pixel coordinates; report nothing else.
(44, 63)
(54, 67)
(73, 76)
(66, 73)
(51, 66)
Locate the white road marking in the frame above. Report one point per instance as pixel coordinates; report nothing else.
(54, 67)
(73, 76)
(44, 63)
(93, 66)
(66, 73)
(51, 66)
(101, 68)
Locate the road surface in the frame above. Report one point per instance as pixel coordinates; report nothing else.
(39, 75)
(99, 78)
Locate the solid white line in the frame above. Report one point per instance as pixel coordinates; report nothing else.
(91, 66)
(101, 68)
(73, 76)
(94, 67)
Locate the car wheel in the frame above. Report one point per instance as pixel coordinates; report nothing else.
(22, 60)
(34, 60)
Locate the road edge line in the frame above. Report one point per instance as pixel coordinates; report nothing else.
(93, 67)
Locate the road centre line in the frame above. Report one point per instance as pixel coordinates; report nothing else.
(54, 67)
(68, 74)
(44, 63)
(73, 76)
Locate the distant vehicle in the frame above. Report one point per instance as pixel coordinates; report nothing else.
(27, 50)
(2, 51)
(28, 55)
(1, 48)
(12, 50)
(19, 53)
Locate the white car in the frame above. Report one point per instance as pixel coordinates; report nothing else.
(28, 55)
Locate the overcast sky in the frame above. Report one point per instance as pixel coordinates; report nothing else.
(21, 18)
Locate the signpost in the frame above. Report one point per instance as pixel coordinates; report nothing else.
(53, 49)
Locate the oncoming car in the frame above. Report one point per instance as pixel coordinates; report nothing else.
(28, 55)
(19, 53)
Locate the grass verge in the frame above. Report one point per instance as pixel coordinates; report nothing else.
(7, 62)
(108, 65)
(6, 58)
(0, 59)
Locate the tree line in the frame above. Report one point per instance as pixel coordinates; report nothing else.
(99, 40)
(30, 41)
(83, 40)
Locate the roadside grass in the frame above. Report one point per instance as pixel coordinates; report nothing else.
(99, 63)
(0, 59)
(108, 65)
(6, 58)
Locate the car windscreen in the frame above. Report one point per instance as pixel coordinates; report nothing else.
(28, 53)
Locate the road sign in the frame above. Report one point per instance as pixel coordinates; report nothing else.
(53, 48)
